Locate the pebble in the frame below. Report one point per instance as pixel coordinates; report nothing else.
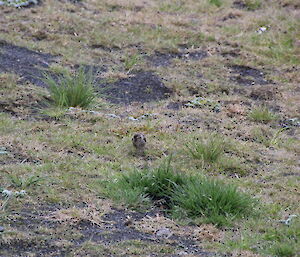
(1, 229)
(164, 232)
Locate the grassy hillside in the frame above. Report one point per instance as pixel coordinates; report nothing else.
(214, 87)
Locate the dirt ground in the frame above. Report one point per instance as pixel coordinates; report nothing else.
(173, 70)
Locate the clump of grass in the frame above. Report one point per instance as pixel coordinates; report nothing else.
(262, 114)
(284, 250)
(217, 3)
(131, 61)
(252, 5)
(184, 196)
(24, 182)
(268, 137)
(217, 154)
(212, 201)
(232, 165)
(208, 150)
(145, 185)
(72, 91)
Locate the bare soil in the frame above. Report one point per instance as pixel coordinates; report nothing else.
(114, 229)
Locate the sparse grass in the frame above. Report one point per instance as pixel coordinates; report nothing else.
(253, 5)
(7, 81)
(262, 114)
(268, 137)
(273, 239)
(207, 149)
(232, 166)
(81, 154)
(131, 62)
(217, 154)
(54, 112)
(72, 90)
(24, 182)
(217, 3)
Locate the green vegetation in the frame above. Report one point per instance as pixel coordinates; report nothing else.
(24, 182)
(187, 196)
(74, 173)
(207, 149)
(253, 5)
(268, 137)
(274, 240)
(131, 61)
(72, 90)
(142, 186)
(262, 114)
(212, 201)
(217, 3)
(217, 154)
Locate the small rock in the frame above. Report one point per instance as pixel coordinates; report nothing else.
(7, 193)
(164, 232)
(3, 150)
(20, 193)
(111, 115)
(262, 29)
(200, 102)
(1, 229)
(128, 222)
(182, 253)
(18, 3)
(132, 118)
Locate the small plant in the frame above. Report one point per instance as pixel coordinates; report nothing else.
(217, 3)
(232, 165)
(131, 61)
(262, 114)
(208, 150)
(267, 137)
(54, 112)
(252, 5)
(72, 91)
(20, 182)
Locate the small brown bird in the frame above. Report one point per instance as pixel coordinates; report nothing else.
(139, 142)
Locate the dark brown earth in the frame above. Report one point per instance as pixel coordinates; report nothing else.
(15, 156)
(248, 76)
(114, 230)
(29, 65)
(141, 86)
(165, 59)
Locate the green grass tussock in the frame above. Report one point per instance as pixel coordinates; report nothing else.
(72, 91)
(212, 201)
(140, 186)
(208, 150)
(262, 114)
(184, 196)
